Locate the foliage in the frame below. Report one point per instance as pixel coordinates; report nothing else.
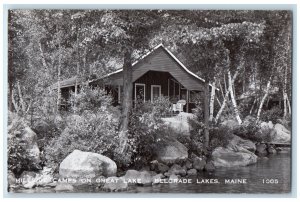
(91, 132)
(196, 137)
(146, 132)
(18, 158)
(252, 131)
(273, 114)
(90, 98)
(220, 136)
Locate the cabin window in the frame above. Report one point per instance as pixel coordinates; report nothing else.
(140, 92)
(155, 92)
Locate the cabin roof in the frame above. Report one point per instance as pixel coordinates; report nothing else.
(169, 52)
(72, 81)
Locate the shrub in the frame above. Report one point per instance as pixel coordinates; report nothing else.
(272, 115)
(220, 136)
(91, 132)
(147, 131)
(253, 132)
(90, 98)
(18, 158)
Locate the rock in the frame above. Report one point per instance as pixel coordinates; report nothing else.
(171, 151)
(192, 172)
(271, 150)
(173, 177)
(188, 164)
(177, 170)
(248, 120)
(199, 163)
(209, 167)
(158, 167)
(40, 179)
(224, 157)
(270, 124)
(162, 168)
(232, 124)
(144, 177)
(237, 141)
(28, 139)
(281, 134)
(115, 184)
(261, 149)
(87, 164)
(11, 179)
(28, 179)
(156, 178)
(64, 187)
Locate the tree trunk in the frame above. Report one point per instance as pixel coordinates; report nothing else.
(77, 70)
(206, 115)
(212, 99)
(14, 102)
(255, 100)
(58, 79)
(127, 100)
(21, 101)
(10, 104)
(263, 100)
(226, 97)
(236, 112)
(43, 56)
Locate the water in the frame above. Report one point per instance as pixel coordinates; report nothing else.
(275, 171)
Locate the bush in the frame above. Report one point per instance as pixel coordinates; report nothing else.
(92, 128)
(220, 136)
(90, 98)
(253, 132)
(147, 131)
(272, 115)
(159, 108)
(18, 158)
(91, 132)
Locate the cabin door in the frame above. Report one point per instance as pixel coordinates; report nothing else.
(139, 92)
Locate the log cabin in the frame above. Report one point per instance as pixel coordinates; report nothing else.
(157, 73)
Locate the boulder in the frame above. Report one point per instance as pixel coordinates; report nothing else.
(143, 177)
(188, 164)
(115, 184)
(271, 150)
(209, 167)
(171, 151)
(192, 172)
(261, 149)
(232, 124)
(87, 164)
(63, 186)
(224, 157)
(158, 167)
(11, 179)
(173, 177)
(156, 178)
(42, 178)
(177, 170)
(199, 163)
(281, 134)
(18, 128)
(246, 144)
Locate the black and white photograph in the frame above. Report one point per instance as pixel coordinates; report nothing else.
(189, 101)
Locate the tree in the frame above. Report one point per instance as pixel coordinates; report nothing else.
(126, 31)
